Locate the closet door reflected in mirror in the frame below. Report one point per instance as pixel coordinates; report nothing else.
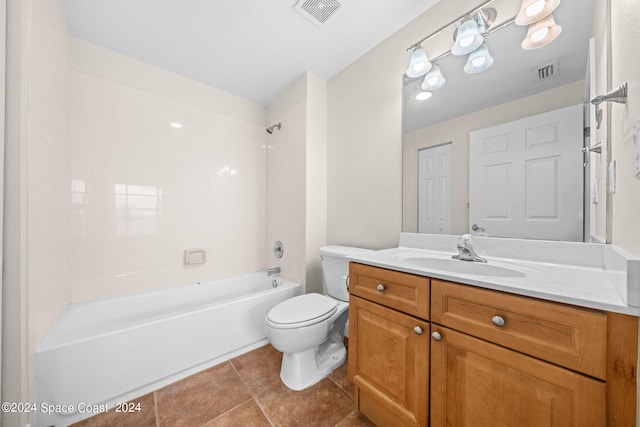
(434, 189)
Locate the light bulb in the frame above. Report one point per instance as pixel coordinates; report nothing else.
(479, 61)
(466, 42)
(422, 96)
(419, 66)
(540, 34)
(535, 8)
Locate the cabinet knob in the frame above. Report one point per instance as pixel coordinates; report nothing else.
(436, 336)
(381, 287)
(498, 321)
(418, 330)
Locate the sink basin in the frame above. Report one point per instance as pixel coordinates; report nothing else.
(463, 267)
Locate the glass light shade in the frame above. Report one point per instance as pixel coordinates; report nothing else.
(479, 60)
(468, 38)
(433, 80)
(419, 64)
(541, 33)
(423, 96)
(534, 10)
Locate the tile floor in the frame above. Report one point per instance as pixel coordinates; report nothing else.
(245, 391)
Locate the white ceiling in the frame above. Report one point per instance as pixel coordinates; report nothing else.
(251, 48)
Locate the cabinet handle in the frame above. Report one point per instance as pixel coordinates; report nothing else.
(436, 336)
(418, 330)
(381, 287)
(498, 321)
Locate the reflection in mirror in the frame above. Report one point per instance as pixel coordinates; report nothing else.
(521, 83)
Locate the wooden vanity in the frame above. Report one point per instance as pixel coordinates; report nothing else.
(424, 351)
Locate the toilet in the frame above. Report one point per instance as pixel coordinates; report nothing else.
(309, 329)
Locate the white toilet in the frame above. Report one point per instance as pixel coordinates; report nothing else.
(309, 329)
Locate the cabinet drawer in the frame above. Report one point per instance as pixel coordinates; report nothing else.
(565, 335)
(402, 291)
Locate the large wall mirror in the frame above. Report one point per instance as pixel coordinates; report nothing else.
(520, 84)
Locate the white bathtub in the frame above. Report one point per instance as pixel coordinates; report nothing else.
(112, 350)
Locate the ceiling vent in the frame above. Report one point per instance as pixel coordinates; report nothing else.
(547, 71)
(317, 11)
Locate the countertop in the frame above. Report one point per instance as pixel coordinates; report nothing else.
(592, 287)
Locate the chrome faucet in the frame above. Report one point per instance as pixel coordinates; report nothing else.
(466, 251)
(274, 270)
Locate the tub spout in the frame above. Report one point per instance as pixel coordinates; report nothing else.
(274, 270)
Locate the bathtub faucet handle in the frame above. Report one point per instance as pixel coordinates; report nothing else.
(274, 270)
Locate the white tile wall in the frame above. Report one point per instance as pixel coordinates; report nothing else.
(144, 191)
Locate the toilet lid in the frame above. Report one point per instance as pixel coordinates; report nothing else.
(307, 309)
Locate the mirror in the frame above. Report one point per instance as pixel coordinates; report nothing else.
(521, 83)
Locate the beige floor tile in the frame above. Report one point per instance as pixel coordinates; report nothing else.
(200, 398)
(247, 415)
(259, 369)
(324, 404)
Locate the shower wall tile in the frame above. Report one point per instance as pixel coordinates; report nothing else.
(144, 191)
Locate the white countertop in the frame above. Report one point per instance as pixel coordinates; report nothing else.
(593, 287)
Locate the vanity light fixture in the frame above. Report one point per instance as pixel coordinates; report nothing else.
(433, 80)
(472, 28)
(541, 33)
(479, 60)
(419, 64)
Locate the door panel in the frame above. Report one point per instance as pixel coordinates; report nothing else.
(434, 189)
(527, 177)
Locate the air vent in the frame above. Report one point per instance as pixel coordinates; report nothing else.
(547, 71)
(317, 11)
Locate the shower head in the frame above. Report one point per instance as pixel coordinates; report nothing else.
(271, 128)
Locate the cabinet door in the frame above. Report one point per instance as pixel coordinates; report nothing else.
(476, 383)
(389, 364)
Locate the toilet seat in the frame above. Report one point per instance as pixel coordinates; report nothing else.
(303, 310)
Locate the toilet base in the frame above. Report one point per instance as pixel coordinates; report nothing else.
(306, 368)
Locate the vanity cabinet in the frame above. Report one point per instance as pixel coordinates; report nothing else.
(480, 357)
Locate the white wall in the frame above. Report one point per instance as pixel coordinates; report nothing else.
(365, 137)
(457, 131)
(625, 62)
(316, 179)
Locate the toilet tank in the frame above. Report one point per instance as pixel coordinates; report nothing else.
(335, 269)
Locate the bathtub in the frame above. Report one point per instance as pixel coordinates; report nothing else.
(109, 351)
